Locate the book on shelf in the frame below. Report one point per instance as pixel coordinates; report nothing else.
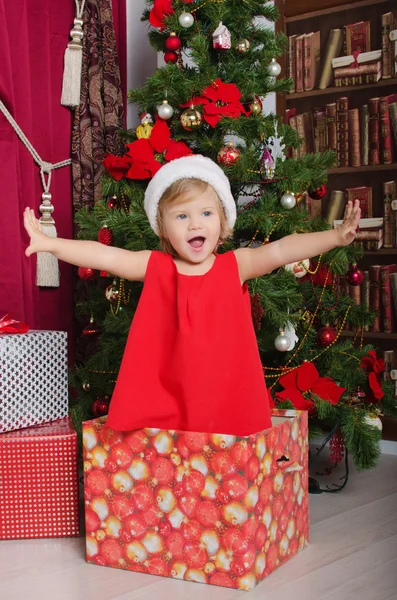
(299, 63)
(364, 58)
(387, 45)
(320, 130)
(354, 137)
(335, 206)
(374, 296)
(355, 294)
(388, 320)
(311, 59)
(374, 134)
(330, 117)
(357, 79)
(364, 293)
(342, 131)
(393, 286)
(393, 121)
(291, 60)
(364, 195)
(389, 359)
(386, 128)
(364, 69)
(388, 214)
(357, 36)
(364, 133)
(332, 50)
(393, 39)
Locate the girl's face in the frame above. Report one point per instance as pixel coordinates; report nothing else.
(193, 227)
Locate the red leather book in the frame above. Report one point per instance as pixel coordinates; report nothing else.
(388, 214)
(342, 132)
(386, 129)
(374, 296)
(374, 146)
(299, 63)
(365, 294)
(300, 127)
(311, 59)
(330, 116)
(308, 131)
(388, 320)
(354, 137)
(364, 194)
(357, 37)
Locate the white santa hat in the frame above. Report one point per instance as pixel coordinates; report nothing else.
(189, 167)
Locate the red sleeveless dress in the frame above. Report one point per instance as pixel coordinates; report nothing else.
(191, 361)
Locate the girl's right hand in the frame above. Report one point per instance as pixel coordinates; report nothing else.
(39, 242)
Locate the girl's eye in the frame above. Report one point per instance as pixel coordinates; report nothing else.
(207, 213)
(181, 216)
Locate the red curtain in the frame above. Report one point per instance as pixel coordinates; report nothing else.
(33, 38)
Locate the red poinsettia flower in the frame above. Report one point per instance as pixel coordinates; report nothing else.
(374, 367)
(142, 159)
(304, 379)
(219, 100)
(161, 9)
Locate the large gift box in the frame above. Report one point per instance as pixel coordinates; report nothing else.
(34, 379)
(210, 508)
(39, 482)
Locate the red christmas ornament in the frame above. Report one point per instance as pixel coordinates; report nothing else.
(325, 336)
(228, 155)
(100, 407)
(91, 329)
(86, 273)
(170, 57)
(173, 43)
(317, 193)
(113, 202)
(105, 236)
(355, 276)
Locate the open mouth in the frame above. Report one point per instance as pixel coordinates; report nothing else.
(197, 242)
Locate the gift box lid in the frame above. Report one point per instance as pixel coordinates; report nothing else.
(58, 428)
(362, 58)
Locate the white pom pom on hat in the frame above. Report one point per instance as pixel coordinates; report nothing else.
(189, 167)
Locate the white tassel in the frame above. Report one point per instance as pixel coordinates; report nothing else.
(47, 273)
(71, 84)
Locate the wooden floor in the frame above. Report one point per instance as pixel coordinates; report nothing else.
(352, 555)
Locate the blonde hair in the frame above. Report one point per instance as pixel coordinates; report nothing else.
(184, 190)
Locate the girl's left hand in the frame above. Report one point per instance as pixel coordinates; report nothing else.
(347, 230)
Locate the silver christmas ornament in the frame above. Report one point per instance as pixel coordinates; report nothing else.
(282, 342)
(186, 20)
(165, 111)
(288, 200)
(274, 68)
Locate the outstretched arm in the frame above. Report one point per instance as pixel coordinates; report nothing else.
(84, 253)
(254, 262)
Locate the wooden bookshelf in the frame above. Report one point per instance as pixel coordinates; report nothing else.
(340, 6)
(340, 91)
(303, 17)
(363, 169)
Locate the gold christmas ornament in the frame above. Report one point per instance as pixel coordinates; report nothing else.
(145, 128)
(191, 119)
(112, 293)
(242, 46)
(255, 107)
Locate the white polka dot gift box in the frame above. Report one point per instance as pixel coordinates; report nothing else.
(209, 508)
(39, 482)
(34, 379)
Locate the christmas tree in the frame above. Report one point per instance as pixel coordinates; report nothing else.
(221, 62)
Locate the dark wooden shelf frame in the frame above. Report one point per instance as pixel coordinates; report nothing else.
(362, 169)
(333, 9)
(371, 335)
(340, 90)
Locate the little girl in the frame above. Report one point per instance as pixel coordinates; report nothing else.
(191, 361)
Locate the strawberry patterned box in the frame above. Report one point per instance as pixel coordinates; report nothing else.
(210, 508)
(39, 482)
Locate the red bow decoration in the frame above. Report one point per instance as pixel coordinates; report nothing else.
(162, 9)
(374, 367)
(304, 379)
(220, 100)
(141, 160)
(354, 64)
(8, 325)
